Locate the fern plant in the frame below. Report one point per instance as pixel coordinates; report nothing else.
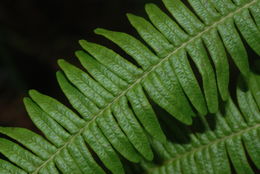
(153, 115)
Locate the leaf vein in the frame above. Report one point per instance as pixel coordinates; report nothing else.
(145, 74)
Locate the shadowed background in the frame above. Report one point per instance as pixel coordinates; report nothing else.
(34, 34)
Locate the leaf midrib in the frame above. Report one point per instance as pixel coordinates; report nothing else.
(200, 148)
(145, 74)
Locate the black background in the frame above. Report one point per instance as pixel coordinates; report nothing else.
(35, 33)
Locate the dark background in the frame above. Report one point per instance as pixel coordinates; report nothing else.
(35, 33)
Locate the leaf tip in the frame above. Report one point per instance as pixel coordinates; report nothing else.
(149, 156)
(58, 74)
(189, 122)
(61, 63)
(149, 6)
(83, 42)
(100, 31)
(33, 93)
(130, 15)
(26, 101)
(79, 53)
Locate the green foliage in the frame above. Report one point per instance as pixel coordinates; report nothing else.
(154, 117)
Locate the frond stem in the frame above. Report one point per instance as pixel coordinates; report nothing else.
(196, 149)
(150, 70)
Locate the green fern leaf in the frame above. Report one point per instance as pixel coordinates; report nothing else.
(234, 134)
(114, 99)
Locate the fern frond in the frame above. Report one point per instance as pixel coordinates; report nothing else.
(112, 97)
(6, 167)
(229, 136)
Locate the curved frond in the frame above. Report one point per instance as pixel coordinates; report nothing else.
(230, 137)
(114, 98)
